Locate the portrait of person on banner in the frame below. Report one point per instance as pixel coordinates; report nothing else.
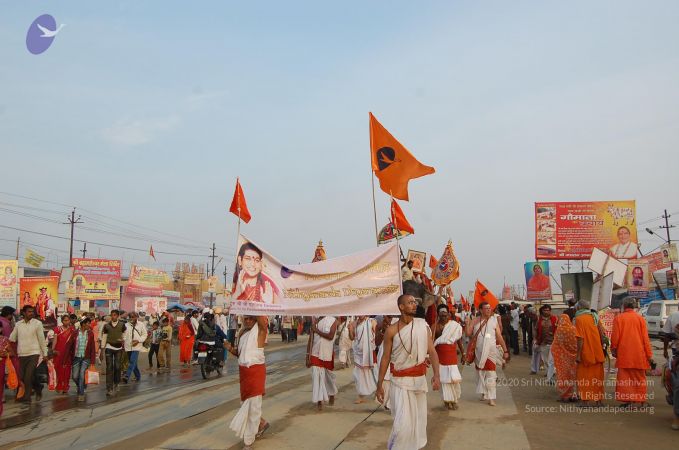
(638, 277)
(625, 248)
(418, 259)
(26, 300)
(9, 278)
(252, 283)
(538, 281)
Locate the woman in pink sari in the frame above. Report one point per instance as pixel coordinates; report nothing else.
(63, 361)
(564, 350)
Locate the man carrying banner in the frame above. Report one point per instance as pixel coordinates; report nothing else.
(248, 422)
(447, 333)
(362, 332)
(321, 359)
(406, 346)
(485, 335)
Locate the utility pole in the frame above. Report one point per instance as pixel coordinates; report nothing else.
(84, 250)
(225, 277)
(213, 258)
(72, 221)
(18, 240)
(667, 229)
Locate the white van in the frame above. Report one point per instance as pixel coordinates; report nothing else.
(657, 313)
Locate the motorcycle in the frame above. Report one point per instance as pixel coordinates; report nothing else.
(208, 359)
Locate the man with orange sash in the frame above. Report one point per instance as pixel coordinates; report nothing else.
(322, 361)
(407, 344)
(632, 349)
(447, 333)
(590, 355)
(248, 422)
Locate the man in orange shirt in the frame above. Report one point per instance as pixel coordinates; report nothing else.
(632, 349)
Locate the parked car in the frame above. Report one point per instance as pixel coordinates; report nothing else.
(657, 313)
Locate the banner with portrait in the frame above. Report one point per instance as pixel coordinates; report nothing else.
(146, 281)
(638, 278)
(363, 283)
(9, 280)
(95, 279)
(150, 305)
(538, 284)
(669, 253)
(42, 293)
(655, 261)
(570, 230)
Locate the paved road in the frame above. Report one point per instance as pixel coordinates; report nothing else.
(194, 414)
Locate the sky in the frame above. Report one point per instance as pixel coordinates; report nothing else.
(142, 115)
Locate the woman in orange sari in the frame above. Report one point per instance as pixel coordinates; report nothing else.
(63, 359)
(564, 350)
(187, 336)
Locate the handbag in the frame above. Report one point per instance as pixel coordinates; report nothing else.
(91, 375)
(471, 348)
(12, 378)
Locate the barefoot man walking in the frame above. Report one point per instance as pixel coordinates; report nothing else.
(407, 344)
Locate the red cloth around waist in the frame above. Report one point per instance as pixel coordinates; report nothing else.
(447, 354)
(252, 381)
(316, 361)
(415, 371)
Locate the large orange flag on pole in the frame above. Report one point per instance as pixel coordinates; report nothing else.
(238, 205)
(482, 294)
(399, 219)
(392, 163)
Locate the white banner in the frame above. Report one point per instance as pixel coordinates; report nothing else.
(364, 283)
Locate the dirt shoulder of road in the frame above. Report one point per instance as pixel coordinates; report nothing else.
(553, 425)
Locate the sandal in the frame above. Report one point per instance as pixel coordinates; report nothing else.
(262, 430)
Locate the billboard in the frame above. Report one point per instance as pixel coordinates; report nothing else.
(363, 283)
(146, 281)
(571, 230)
(638, 278)
(150, 305)
(577, 286)
(42, 293)
(95, 279)
(8, 282)
(538, 284)
(669, 253)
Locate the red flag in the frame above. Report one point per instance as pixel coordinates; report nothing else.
(433, 262)
(399, 219)
(465, 303)
(238, 205)
(482, 294)
(392, 163)
(151, 254)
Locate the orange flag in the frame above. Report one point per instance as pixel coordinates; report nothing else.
(151, 254)
(433, 262)
(392, 163)
(482, 294)
(238, 205)
(399, 219)
(464, 302)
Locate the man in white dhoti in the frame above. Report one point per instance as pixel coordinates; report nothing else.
(321, 359)
(406, 347)
(344, 343)
(248, 422)
(486, 335)
(362, 333)
(447, 340)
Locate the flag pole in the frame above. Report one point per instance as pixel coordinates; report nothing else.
(372, 182)
(391, 207)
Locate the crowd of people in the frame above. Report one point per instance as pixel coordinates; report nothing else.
(389, 355)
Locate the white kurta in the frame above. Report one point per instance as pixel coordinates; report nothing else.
(486, 348)
(323, 383)
(451, 389)
(344, 344)
(246, 421)
(409, 394)
(363, 349)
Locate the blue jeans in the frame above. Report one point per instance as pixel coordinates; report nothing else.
(132, 367)
(78, 370)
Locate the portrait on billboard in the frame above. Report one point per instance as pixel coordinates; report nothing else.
(252, 282)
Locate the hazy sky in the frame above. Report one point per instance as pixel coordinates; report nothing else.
(146, 112)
